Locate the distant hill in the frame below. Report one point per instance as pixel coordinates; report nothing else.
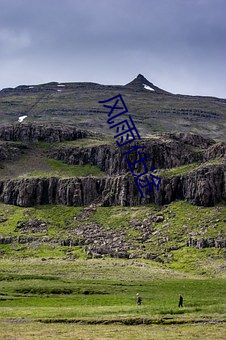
(152, 108)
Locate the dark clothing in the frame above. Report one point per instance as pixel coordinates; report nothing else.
(139, 300)
(180, 301)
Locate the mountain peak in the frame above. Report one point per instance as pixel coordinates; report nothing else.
(140, 83)
(141, 77)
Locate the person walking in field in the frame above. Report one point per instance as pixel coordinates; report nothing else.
(180, 301)
(139, 299)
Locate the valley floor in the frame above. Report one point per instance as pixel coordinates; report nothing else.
(50, 288)
(96, 299)
(31, 330)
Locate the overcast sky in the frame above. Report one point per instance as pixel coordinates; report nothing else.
(179, 45)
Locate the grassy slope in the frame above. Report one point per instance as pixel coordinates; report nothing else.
(150, 112)
(184, 169)
(36, 163)
(61, 290)
(181, 219)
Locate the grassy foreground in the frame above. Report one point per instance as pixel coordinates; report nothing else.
(96, 299)
(106, 332)
(47, 293)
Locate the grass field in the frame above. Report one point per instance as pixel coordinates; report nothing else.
(96, 299)
(31, 330)
(47, 293)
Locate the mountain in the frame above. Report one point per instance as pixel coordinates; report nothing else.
(80, 236)
(64, 183)
(72, 124)
(152, 109)
(140, 83)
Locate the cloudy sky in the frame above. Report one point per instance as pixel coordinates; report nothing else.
(179, 45)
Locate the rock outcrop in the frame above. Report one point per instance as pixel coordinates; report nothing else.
(138, 85)
(191, 139)
(218, 242)
(216, 150)
(205, 186)
(168, 151)
(37, 132)
(163, 154)
(11, 151)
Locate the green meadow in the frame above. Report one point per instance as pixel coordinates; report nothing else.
(52, 291)
(46, 297)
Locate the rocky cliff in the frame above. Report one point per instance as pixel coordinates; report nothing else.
(164, 154)
(205, 186)
(37, 132)
(11, 151)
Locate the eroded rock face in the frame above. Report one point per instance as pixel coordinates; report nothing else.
(216, 150)
(205, 186)
(34, 133)
(171, 151)
(10, 151)
(191, 139)
(162, 155)
(218, 242)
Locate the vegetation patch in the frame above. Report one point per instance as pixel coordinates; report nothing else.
(179, 170)
(41, 291)
(76, 296)
(63, 170)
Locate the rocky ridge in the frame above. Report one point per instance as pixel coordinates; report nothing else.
(38, 132)
(166, 152)
(205, 185)
(152, 108)
(11, 151)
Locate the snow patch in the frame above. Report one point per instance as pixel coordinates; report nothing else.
(31, 87)
(21, 118)
(59, 90)
(61, 85)
(148, 87)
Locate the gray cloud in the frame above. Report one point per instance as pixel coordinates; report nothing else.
(177, 44)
